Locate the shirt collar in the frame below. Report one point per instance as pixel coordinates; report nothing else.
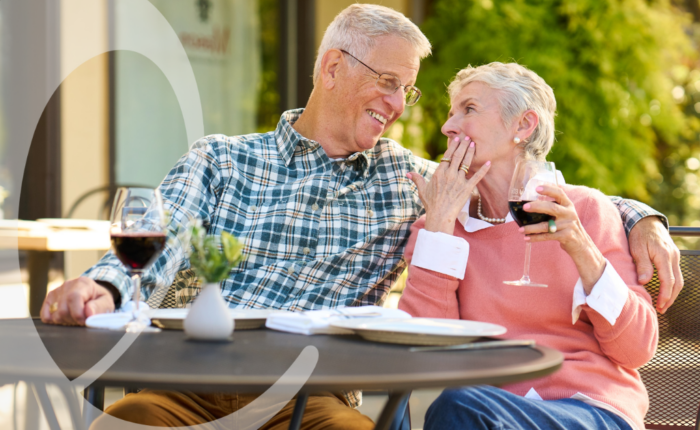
(472, 225)
(288, 138)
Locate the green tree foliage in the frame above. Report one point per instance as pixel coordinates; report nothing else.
(622, 73)
(268, 94)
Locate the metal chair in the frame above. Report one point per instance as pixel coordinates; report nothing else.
(672, 377)
(110, 190)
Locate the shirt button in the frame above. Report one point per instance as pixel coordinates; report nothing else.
(370, 212)
(306, 251)
(253, 208)
(290, 270)
(314, 207)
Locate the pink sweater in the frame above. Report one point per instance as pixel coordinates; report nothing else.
(599, 359)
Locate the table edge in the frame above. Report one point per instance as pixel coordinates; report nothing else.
(550, 362)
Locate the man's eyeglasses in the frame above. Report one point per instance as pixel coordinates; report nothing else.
(388, 84)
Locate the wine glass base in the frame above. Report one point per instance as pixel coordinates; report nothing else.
(135, 327)
(522, 283)
(139, 323)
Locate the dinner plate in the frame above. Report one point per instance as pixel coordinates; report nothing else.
(420, 331)
(245, 319)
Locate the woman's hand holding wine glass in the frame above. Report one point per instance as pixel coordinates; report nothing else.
(569, 232)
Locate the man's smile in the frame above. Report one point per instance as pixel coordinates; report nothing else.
(377, 116)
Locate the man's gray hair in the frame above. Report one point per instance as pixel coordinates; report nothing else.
(520, 89)
(355, 28)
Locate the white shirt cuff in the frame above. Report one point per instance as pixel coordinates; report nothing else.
(442, 253)
(607, 297)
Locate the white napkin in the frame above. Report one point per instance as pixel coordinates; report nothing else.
(530, 193)
(318, 322)
(116, 320)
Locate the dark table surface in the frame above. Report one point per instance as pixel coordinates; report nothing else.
(257, 358)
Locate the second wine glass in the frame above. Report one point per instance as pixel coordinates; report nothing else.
(528, 175)
(138, 236)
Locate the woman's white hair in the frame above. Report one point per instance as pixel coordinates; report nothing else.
(355, 28)
(520, 89)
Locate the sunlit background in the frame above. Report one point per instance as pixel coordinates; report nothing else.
(625, 73)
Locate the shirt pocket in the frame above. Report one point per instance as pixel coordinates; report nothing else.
(361, 225)
(271, 232)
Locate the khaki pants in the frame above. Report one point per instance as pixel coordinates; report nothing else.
(177, 409)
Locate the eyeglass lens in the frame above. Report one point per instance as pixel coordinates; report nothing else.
(389, 84)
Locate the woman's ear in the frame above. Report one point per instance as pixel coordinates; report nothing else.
(330, 67)
(527, 124)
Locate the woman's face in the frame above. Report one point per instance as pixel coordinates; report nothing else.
(476, 113)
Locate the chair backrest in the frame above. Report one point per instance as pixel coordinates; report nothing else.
(672, 377)
(108, 190)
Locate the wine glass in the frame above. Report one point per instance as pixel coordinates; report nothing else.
(528, 175)
(138, 236)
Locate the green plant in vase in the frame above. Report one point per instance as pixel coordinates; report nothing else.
(211, 258)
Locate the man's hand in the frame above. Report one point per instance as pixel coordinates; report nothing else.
(76, 300)
(650, 242)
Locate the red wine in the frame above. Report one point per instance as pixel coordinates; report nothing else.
(526, 218)
(137, 250)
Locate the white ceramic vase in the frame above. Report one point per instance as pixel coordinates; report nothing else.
(209, 318)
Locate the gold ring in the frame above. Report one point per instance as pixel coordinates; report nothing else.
(53, 308)
(446, 160)
(464, 168)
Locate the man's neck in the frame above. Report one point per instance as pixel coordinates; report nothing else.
(313, 125)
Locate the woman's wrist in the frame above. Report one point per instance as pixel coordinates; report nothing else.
(440, 224)
(591, 267)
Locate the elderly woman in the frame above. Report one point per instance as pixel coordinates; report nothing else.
(593, 310)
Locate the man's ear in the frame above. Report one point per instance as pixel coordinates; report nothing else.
(330, 68)
(527, 124)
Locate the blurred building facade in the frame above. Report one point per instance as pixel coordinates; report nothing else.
(98, 121)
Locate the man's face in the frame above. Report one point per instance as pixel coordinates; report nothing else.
(367, 113)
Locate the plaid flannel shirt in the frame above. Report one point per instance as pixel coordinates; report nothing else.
(318, 233)
(633, 211)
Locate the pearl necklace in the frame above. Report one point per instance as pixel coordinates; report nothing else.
(487, 219)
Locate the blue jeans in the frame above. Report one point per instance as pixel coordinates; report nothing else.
(491, 408)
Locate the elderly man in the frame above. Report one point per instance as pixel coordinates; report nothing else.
(322, 203)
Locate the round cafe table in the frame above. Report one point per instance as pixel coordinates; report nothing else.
(256, 359)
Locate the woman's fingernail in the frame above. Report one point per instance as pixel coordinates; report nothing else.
(467, 138)
(526, 206)
(471, 145)
(527, 238)
(538, 189)
(456, 139)
(488, 163)
(521, 229)
(408, 175)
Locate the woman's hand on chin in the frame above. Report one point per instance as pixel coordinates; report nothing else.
(569, 232)
(450, 188)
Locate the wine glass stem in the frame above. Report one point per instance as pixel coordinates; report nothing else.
(136, 282)
(526, 270)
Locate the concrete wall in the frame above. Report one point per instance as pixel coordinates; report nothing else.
(85, 120)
